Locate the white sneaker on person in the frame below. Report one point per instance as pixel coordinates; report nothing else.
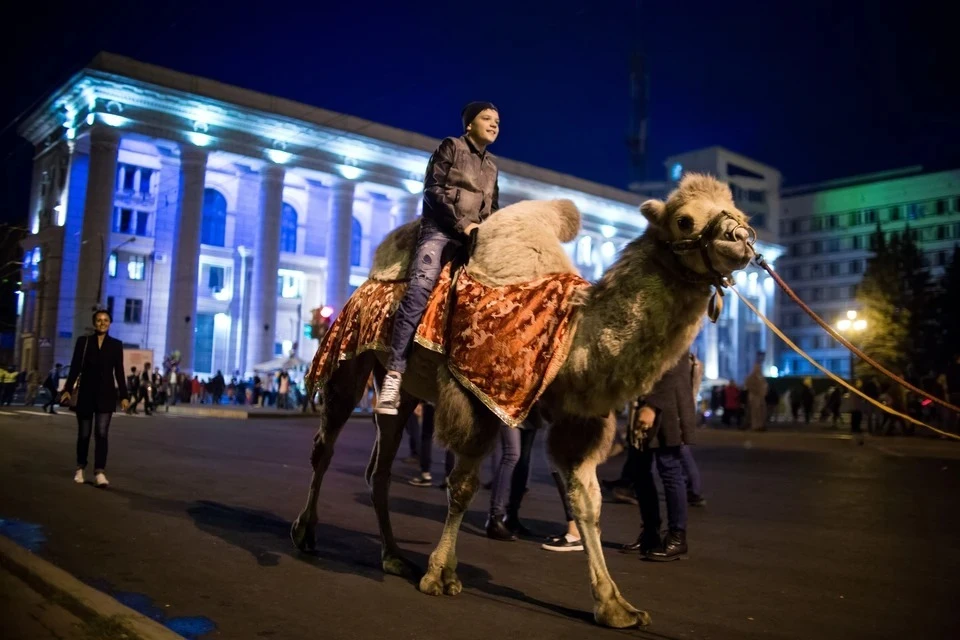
(422, 480)
(566, 542)
(389, 401)
(101, 480)
(78, 477)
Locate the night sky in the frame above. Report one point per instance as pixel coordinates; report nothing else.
(816, 91)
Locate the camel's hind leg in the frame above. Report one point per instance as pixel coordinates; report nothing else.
(389, 436)
(339, 396)
(576, 445)
(470, 430)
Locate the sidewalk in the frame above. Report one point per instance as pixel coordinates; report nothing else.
(39, 600)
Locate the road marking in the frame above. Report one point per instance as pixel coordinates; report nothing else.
(7, 413)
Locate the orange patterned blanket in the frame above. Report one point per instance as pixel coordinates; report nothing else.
(508, 342)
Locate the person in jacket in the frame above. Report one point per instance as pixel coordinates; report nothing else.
(98, 363)
(51, 384)
(459, 192)
(33, 386)
(756, 386)
(663, 423)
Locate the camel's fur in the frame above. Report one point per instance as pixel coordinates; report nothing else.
(634, 324)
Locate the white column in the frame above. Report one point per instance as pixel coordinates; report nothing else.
(95, 234)
(185, 256)
(409, 209)
(266, 258)
(318, 219)
(338, 244)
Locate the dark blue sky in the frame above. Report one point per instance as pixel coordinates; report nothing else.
(814, 90)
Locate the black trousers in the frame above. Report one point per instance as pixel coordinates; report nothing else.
(99, 425)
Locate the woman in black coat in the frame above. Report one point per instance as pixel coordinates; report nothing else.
(98, 361)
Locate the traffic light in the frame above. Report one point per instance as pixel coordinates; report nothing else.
(320, 320)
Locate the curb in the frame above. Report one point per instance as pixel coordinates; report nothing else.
(80, 599)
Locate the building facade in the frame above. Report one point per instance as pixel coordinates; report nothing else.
(827, 230)
(210, 219)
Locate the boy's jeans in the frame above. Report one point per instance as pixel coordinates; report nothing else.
(434, 249)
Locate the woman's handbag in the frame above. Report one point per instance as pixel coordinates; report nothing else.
(75, 391)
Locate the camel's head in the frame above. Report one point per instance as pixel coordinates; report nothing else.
(700, 224)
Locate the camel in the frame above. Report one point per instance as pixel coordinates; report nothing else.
(632, 326)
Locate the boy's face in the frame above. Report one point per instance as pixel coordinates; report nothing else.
(485, 127)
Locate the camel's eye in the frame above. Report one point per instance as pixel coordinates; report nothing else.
(685, 224)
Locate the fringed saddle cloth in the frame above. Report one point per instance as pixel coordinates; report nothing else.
(505, 344)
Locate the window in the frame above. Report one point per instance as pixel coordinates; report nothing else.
(128, 174)
(870, 216)
(834, 268)
(914, 211)
(216, 279)
(213, 228)
(141, 228)
(816, 294)
(203, 342)
(288, 229)
(833, 245)
(816, 247)
(816, 270)
(110, 305)
(356, 240)
(758, 220)
(832, 222)
(145, 175)
(856, 242)
(112, 265)
(941, 207)
(853, 291)
(794, 273)
(941, 232)
(755, 195)
(894, 213)
(124, 221)
(794, 226)
(136, 267)
(856, 266)
(794, 249)
(816, 224)
(133, 311)
(942, 259)
(855, 219)
(288, 282)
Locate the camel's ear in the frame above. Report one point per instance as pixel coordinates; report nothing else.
(653, 211)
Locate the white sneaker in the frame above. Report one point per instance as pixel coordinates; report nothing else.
(78, 477)
(101, 480)
(389, 400)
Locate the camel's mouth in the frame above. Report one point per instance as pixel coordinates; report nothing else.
(732, 255)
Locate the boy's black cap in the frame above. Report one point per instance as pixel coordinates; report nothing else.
(473, 109)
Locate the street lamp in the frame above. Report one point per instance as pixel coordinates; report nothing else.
(851, 325)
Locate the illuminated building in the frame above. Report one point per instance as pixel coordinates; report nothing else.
(220, 217)
(827, 229)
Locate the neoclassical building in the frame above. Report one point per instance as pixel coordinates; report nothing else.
(211, 219)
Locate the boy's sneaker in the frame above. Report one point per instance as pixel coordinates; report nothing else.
(78, 477)
(422, 480)
(389, 400)
(566, 542)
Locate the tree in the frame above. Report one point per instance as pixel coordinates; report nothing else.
(881, 296)
(919, 297)
(947, 309)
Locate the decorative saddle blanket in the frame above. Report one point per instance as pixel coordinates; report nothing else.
(505, 344)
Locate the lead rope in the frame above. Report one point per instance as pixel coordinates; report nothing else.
(846, 343)
(835, 377)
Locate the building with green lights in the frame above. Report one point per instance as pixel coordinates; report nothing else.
(827, 229)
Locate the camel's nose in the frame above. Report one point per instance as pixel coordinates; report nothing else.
(741, 234)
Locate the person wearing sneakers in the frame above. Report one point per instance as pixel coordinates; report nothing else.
(459, 192)
(97, 373)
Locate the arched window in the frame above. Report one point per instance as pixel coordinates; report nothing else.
(288, 229)
(356, 240)
(213, 228)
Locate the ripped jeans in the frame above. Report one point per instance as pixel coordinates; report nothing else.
(434, 249)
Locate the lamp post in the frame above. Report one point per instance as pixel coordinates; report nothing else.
(852, 326)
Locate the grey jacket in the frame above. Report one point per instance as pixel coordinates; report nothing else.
(460, 187)
(672, 399)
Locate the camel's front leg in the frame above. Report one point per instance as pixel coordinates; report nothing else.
(389, 437)
(610, 609)
(441, 576)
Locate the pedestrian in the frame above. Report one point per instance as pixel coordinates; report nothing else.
(8, 378)
(756, 386)
(569, 540)
(664, 423)
(731, 404)
(133, 388)
(510, 482)
(459, 192)
(33, 386)
(97, 364)
(52, 384)
(773, 403)
(425, 479)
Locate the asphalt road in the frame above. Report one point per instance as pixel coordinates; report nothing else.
(804, 536)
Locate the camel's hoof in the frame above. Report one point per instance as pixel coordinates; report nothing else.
(621, 615)
(430, 585)
(396, 565)
(451, 583)
(303, 535)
